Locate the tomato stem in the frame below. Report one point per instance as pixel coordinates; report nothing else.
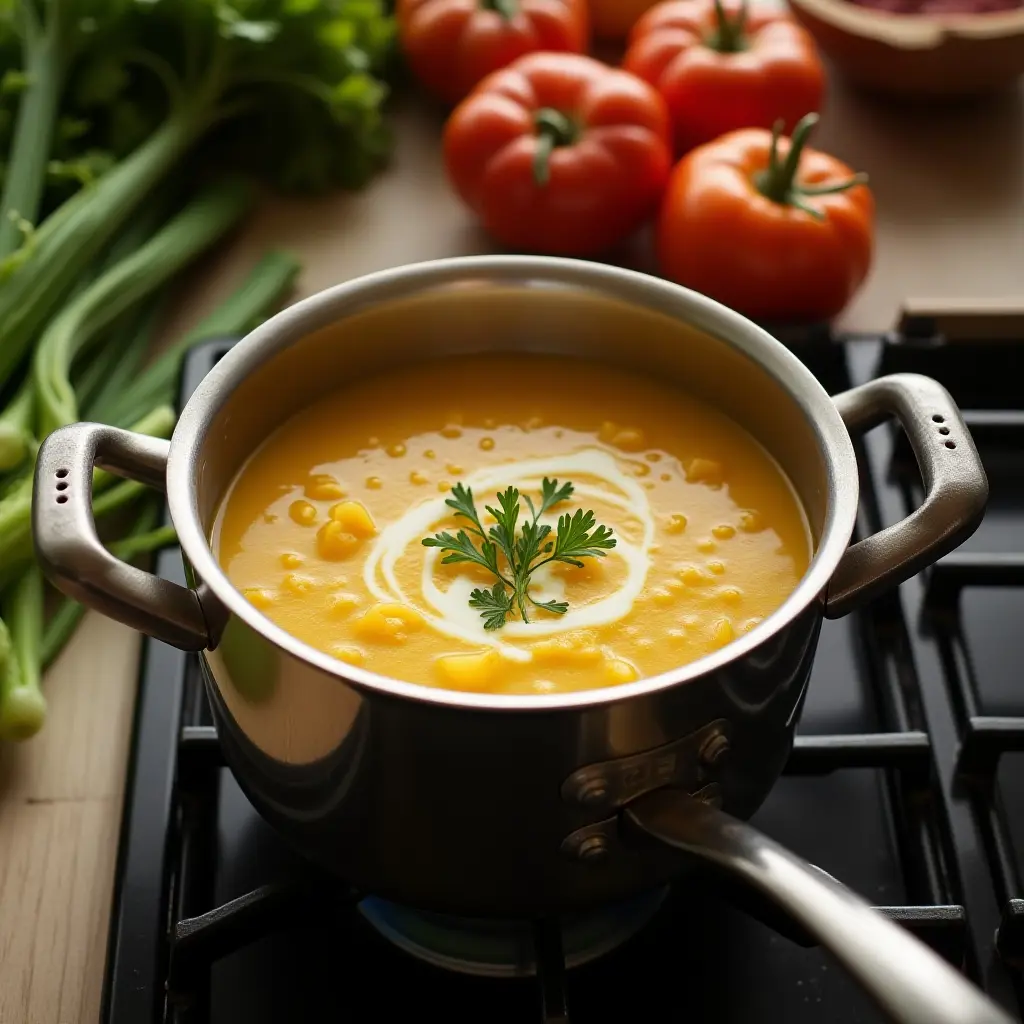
(553, 129)
(508, 9)
(778, 181)
(729, 35)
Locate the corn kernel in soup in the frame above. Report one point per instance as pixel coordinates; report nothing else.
(322, 530)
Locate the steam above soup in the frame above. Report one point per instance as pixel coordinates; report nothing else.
(673, 531)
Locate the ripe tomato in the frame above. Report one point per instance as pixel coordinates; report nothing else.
(720, 70)
(559, 153)
(767, 226)
(452, 44)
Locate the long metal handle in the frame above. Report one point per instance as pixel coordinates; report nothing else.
(956, 488)
(69, 550)
(909, 982)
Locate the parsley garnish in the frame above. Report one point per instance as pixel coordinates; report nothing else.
(524, 552)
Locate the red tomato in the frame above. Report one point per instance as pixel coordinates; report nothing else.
(767, 226)
(560, 154)
(720, 70)
(453, 44)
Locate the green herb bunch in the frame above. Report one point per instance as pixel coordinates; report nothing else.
(514, 552)
(118, 121)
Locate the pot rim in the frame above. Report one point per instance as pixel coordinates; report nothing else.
(328, 306)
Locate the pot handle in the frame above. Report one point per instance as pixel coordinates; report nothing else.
(69, 550)
(956, 488)
(908, 982)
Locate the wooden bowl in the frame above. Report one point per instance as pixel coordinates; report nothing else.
(920, 55)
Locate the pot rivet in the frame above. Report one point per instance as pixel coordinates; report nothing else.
(713, 748)
(593, 849)
(593, 792)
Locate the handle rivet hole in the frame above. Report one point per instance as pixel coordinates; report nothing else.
(943, 430)
(61, 473)
(951, 444)
(61, 499)
(62, 486)
(938, 418)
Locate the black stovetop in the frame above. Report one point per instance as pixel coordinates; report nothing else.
(905, 783)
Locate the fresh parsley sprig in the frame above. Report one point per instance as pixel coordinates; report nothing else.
(524, 548)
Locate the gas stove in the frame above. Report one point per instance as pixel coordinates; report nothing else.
(905, 782)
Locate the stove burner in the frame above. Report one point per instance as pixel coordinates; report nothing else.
(505, 949)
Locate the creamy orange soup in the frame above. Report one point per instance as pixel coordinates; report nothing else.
(322, 530)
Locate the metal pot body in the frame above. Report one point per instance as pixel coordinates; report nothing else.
(472, 811)
(477, 803)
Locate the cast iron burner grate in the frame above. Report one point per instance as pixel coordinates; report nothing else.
(897, 785)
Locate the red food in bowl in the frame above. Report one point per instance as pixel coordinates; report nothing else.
(940, 7)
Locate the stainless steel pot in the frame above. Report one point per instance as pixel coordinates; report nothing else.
(482, 804)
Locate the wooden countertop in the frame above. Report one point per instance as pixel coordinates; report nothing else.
(950, 226)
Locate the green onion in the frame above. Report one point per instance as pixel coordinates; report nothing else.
(22, 704)
(122, 347)
(16, 427)
(68, 241)
(25, 175)
(117, 364)
(193, 230)
(246, 307)
(60, 629)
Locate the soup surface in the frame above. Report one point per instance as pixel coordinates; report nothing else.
(323, 528)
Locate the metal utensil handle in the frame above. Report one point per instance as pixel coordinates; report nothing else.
(69, 550)
(909, 983)
(956, 488)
